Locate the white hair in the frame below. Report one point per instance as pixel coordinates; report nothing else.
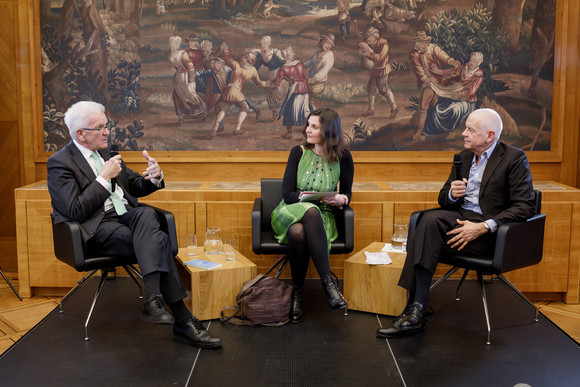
(80, 114)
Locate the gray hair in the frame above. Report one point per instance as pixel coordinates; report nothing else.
(80, 114)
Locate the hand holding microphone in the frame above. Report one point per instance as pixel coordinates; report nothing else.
(114, 152)
(458, 186)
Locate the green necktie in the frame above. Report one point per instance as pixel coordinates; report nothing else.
(117, 202)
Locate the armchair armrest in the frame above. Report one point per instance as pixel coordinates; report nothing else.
(348, 228)
(519, 244)
(257, 226)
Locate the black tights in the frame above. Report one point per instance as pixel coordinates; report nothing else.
(306, 239)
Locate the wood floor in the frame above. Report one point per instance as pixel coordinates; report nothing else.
(18, 317)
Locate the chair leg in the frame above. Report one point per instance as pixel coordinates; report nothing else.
(104, 275)
(130, 270)
(484, 299)
(440, 280)
(135, 271)
(79, 285)
(9, 284)
(460, 283)
(520, 294)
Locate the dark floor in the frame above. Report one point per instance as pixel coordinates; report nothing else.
(327, 349)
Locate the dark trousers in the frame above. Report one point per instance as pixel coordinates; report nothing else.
(137, 233)
(429, 241)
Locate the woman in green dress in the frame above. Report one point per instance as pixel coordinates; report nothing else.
(308, 227)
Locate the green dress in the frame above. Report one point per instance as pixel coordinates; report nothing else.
(313, 174)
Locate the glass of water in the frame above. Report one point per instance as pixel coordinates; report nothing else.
(230, 249)
(191, 244)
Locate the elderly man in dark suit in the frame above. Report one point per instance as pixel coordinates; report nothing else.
(79, 182)
(498, 189)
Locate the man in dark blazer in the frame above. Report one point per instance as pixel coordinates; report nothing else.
(498, 189)
(80, 186)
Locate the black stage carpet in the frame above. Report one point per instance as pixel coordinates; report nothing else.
(327, 349)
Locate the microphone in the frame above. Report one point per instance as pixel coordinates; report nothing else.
(114, 152)
(458, 163)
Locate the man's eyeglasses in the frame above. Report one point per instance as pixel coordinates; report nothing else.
(102, 128)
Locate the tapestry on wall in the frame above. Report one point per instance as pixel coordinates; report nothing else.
(243, 75)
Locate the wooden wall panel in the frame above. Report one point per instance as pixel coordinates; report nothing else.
(8, 97)
(574, 263)
(9, 141)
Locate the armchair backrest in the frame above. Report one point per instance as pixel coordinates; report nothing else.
(271, 197)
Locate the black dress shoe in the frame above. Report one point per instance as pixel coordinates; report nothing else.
(411, 321)
(297, 306)
(333, 296)
(395, 325)
(415, 317)
(154, 312)
(195, 334)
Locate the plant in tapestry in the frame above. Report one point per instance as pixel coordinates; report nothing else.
(244, 74)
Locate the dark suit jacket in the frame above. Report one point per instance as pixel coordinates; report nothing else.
(75, 193)
(506, 192)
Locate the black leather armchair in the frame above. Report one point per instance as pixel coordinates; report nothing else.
(518, 245)
(70, 249)
(263, 241)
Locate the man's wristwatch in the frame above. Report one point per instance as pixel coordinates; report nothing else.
(486, 227)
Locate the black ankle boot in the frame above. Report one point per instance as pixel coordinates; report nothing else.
(297, 306)
(333, 295)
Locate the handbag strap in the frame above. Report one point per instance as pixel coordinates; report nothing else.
(232, 319)
(282, 261)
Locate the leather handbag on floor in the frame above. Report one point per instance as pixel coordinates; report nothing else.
(262, 301)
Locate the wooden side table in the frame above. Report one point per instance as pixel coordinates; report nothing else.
(373, 288)
(213, 289)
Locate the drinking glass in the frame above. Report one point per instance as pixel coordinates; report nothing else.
(191, 244)
(230, 249)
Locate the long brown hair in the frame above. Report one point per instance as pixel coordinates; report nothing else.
(333, 143)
